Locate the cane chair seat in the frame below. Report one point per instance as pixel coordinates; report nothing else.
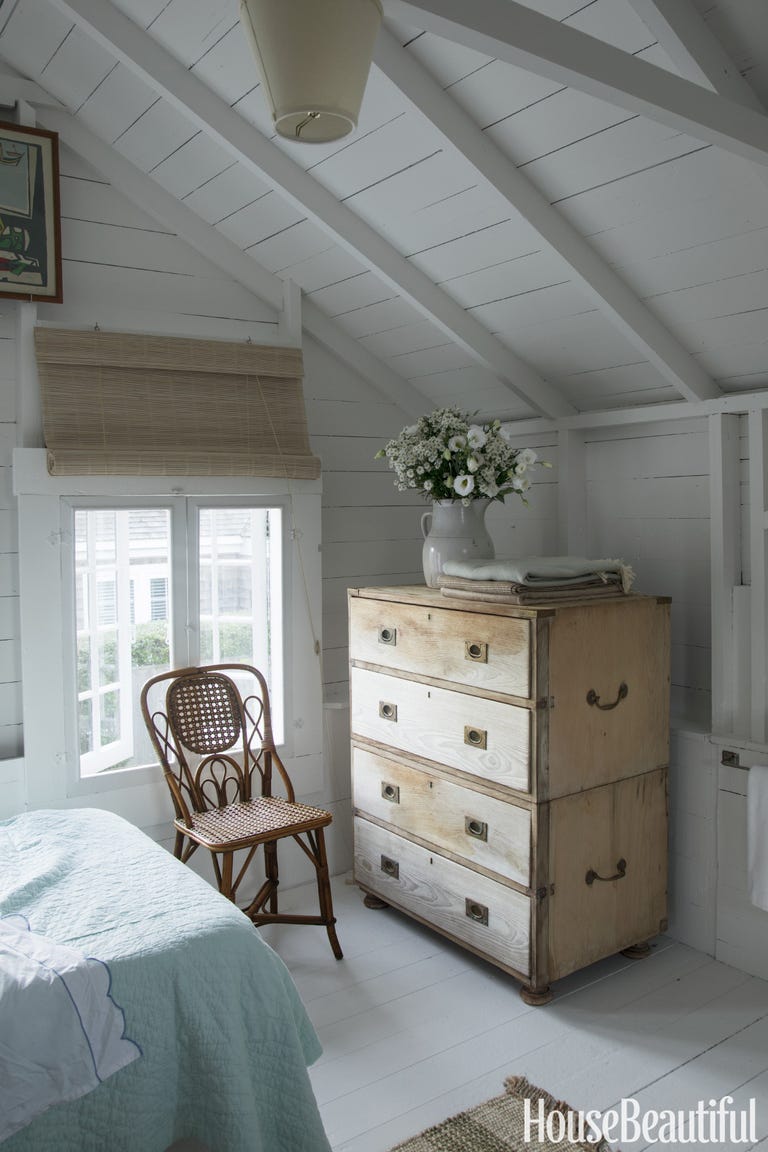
(239, 825)
(218, 757)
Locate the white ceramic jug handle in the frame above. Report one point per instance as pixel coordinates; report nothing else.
(425, 531)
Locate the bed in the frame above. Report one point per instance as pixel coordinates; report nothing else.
(223, 1036)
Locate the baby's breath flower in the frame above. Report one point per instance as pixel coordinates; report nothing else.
(447, 455)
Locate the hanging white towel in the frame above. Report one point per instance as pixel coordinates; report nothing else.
(757, 835)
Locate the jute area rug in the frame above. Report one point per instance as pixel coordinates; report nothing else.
(498, 1125)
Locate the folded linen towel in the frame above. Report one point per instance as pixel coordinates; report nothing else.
(757, 835)
(532, 598)
(541, 571)
(505, 587)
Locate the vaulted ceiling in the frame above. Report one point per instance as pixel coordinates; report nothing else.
(546, 208)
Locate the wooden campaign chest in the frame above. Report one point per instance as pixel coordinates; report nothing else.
(510, 772)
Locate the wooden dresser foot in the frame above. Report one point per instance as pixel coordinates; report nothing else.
(372, 901)
(637, 951)
(535, 996)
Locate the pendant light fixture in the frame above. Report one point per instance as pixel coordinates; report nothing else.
(314, 57)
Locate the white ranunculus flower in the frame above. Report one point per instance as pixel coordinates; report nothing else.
(505, 434)
(521, 483)
(463, 485)
(520, 467)
(428, 485)
(528, 457)
(457, 442)
(472, 463)
(476, 437)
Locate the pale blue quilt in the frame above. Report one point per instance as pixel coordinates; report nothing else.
(225, 1039)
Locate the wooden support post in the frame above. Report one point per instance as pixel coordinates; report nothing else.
(725, 552)
(758, 500)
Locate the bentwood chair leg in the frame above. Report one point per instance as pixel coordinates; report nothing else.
(178, 845)
(324, 893)
(272, 873)
(225, 886)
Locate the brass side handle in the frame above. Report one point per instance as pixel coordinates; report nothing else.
(476, 650)
(475, 911)
(387, 711)
(619, 874)
(477, 829)
(387, 635)
(475, 737)
(390, 792)
(390, 867)
(594, 700)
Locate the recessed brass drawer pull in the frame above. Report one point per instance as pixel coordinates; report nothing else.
(475, 650)
(475, 911)
(390, 792)
(387, 711)
(390, 867)
(619, 874)
(388, 636)
(594, 700)
(477, 829)
(475, 737)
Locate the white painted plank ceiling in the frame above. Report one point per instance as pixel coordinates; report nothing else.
(683, 223)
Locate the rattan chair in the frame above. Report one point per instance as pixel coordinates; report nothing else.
(214, 742)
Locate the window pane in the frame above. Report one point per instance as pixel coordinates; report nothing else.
(108, 657)
(85, 726)
(110, 717)
(123, 609)
(240, 580)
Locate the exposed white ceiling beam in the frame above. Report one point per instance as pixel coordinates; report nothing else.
(692, 46)
(137, 50)
(164, 207)
(603, 286)
(13, 88)
(690, 43)
(519, 35)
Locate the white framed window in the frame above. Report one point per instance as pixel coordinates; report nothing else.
(119, 565)
(121, 576)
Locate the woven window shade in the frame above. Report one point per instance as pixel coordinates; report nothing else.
(116, 404)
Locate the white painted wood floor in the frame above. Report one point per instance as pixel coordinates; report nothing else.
(415, 1029)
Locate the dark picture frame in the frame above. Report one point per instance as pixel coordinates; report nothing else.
(30, 214)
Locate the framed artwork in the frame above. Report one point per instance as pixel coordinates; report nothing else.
(30, 227)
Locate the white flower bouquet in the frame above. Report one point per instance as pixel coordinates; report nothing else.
(446, 456)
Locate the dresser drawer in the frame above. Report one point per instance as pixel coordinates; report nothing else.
(491, 918)
(490, 652)
(483, 737)
(484, 831)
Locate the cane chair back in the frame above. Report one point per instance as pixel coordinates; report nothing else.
(211, 738)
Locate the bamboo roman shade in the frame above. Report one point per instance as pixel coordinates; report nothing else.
(121, 404)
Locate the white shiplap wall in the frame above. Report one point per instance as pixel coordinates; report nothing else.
(10, 660)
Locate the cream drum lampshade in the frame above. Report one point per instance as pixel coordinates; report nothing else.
(314, 57)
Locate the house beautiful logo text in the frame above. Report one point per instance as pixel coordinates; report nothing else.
(714, 1122)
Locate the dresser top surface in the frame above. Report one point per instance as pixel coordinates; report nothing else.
(433, 598)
